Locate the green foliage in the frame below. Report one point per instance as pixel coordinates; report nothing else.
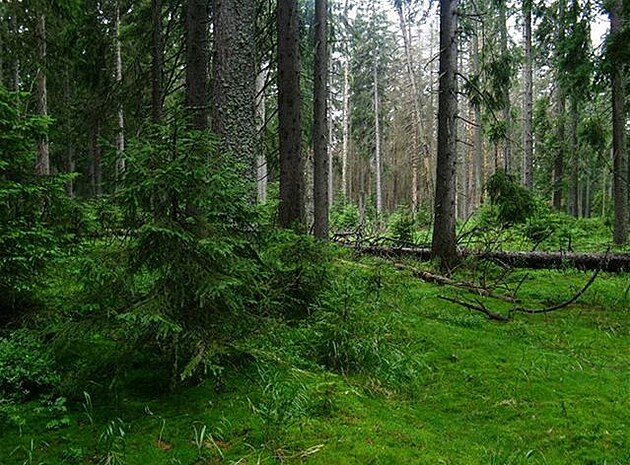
(401, 225)
(26, 366)
(344, 216)
(514, 204)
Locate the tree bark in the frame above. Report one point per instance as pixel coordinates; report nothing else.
(377, 148)
(234, 80)
(558, 161)
(479, 165)
(261, 116)
(120, 120)
(620, 170)
(346, 130)
(157, 62)
(528, 99)
(443, 240)
(291, 209)
(42, 165)
(320, 121)
(196, 37)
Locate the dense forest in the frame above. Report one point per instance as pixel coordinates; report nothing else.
(315, 231)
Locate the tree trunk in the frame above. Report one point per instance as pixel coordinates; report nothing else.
(620, 170)
(478, 142)
(507, 116)
(320, 121)
(558, 161)
(261, 116)
(377, 149)
(196, 33)
(42, 165)
(234, 80)
(346, 130)
(415, 115)
(291, 210)
(157, 62)
(575, 161)
(444, 246)
(120, 135)
(528, 99)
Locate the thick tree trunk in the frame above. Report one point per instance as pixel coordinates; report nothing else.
(120, 135)
(157, 62)
(320, 121)
(291, 210)
(196, 33)
(620, 169)
(42, 166)
(234, 80)
(528, 99)
(443, 241)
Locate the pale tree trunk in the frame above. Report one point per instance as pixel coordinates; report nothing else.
(157, 62)
(415, 116)
(291, 210)
(620, 169)
(196, 87)
(377, 150)
(14, 79)
(261, 116)
(444, 246)
(478, 136)
(320, 122)
(120, 135)
(346, 130)
(42, 165)
(234, 80)
(507, 116)
(558, 162)
(572, 203)
(528, 99)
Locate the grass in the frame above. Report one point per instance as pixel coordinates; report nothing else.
(384, 372)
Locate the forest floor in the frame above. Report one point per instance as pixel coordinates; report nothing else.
(392, 375)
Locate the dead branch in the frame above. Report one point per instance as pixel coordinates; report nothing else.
(479, 307)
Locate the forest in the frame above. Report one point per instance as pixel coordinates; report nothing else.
(314, 232)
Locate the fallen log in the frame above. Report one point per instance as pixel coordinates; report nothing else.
(537, 260)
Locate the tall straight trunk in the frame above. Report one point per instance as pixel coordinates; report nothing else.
(572, 203)
(157, 62)
(120, 134)
(42, 165)
(506, 111)
(331, 194)
(291, 210)
(96, 170)
(528, 99)
(14, 78)
(444, 246)
(234, 80)
(261, 116)
(377, 149)
(70, 148)
(478, 136)
(620, 169)
(415, 115)
(346, 130)
(196, 34)
(320, 121)
(558, 161)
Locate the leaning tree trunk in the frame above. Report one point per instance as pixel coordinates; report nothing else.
(528, 99)
(320, 121)
(620, 170)
(234, 80)
(444, 246)
(196, 92)
(291, 209)
(42, 165)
